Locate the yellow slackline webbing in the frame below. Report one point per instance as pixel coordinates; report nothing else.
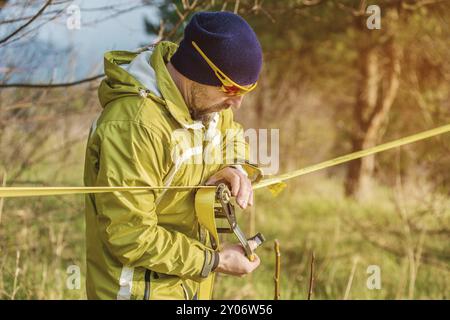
(204, 208)
(275, 183)
(14, 192)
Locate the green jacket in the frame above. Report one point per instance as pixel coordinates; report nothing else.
(149, 245)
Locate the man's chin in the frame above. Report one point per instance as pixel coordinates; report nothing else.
(206, 115)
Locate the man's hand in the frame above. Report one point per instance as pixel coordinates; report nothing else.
(241, 187)
(233, 261)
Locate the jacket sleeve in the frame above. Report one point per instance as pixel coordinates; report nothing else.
(132, 155)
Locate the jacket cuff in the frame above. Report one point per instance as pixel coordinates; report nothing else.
(216, 261)
(211, 262)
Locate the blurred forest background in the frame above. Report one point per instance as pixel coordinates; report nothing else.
(331, 86)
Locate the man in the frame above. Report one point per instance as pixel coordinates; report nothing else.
(149, 245)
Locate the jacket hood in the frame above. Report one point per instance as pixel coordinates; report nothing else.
(144, 73)
(127, 73)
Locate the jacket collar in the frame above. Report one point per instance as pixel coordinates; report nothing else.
(175, 103)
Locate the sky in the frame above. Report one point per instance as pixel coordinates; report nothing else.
(35, 59)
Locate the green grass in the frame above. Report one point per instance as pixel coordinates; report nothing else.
(310, 215)
(306, 219)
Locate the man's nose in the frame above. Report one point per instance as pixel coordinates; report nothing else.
(235, 102)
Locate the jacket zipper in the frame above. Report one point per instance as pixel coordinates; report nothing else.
(144, 94)
(202, 232)
(147, 284)
(204, 144)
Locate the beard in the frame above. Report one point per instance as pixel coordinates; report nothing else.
(198, 107)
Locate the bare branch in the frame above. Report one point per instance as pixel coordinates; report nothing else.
(236, 6)
(355, 12)
(276, 277)
(83, 9)
(50, 85)
(181, 20)
(419, 4)
(57, 14)
(310, 2)
(115, 14)
(27, 23)
(311, 277)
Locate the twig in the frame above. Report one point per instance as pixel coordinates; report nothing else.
(236, 7)
(355, 12)
(30, 31)
(419, 4)
(16, 275)
(82, 9)
(310, 2)
(32, 159)
(365, 232)
(350, 279)
(2, 199)
(49, 85)
(113, 15)
(27, 23)
(277, 269)
(311, 277)
(181, 20)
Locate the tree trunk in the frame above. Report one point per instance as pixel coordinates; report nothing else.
(379, 68)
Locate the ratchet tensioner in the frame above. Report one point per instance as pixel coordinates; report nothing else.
(224, 209)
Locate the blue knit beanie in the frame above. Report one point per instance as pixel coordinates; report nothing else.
(227, 40)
